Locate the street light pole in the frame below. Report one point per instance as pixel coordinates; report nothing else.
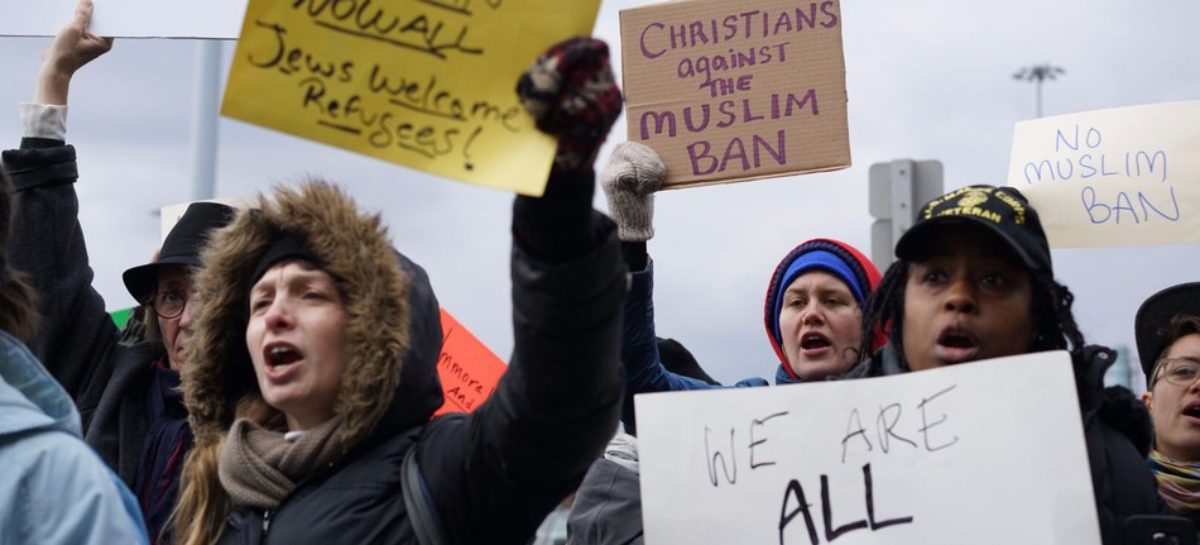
(1039, 74)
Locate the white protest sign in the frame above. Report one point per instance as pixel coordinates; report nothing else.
(219, 19)
(985, 453)
(1126, 176)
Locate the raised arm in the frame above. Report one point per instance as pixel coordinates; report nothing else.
(633, 174)
(530, 444)
(76, 335)
(73, 47)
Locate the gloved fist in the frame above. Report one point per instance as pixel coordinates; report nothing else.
(633, 173)
(571, 92)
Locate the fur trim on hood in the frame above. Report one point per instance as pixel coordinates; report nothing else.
(393, 334)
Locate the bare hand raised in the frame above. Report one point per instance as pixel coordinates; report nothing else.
(73, 47)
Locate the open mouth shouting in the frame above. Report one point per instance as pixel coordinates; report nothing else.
(1191, 412)
(815, 345)
(956, 345)
(280, 358)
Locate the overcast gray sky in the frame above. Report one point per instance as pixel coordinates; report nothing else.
(926, 79)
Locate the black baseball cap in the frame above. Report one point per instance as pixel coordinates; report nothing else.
(1156, 314)
(181, 247)
(1002, 210)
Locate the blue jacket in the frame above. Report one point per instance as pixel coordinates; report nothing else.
(644, 371)
(54, 488)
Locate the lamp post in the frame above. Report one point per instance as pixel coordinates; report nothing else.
(1039, 74)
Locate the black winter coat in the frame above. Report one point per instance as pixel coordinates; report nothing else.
(77, 340)
(492, 475)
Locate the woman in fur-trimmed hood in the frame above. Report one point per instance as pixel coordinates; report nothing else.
(270, 467)
(315, 353)
(388, 350)
(280, 471)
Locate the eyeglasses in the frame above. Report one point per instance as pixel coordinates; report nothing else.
(1178, 371)
(169, 304)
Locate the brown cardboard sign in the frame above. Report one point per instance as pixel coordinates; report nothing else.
(735, 91)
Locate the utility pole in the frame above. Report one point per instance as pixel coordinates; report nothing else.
(1039, 74)
(206, 99)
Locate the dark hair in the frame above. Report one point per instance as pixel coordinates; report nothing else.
(18, 301)
(1054, 324)
(1180, 326)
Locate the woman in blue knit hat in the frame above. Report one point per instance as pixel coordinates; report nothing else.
(814, 301)
(812, 314)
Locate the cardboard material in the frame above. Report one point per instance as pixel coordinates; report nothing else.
(217, 19)
(952, 456)
(426, 84)
(469, 371)
(734, 91)
(1125, 176)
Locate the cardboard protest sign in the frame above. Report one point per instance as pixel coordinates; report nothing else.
(468, 370)
(733, 91)
(219, 19)
(423, 83)
(1126, 176)
(957, 455)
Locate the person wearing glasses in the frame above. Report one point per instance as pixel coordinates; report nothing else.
(126, 393)
(1167, 329)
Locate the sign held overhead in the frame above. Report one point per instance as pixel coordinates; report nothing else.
(428, 84)
(214, 19)
(1125, 176)
(730, 92)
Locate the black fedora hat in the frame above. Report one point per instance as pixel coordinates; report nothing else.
(181, 247)
(1156, 314)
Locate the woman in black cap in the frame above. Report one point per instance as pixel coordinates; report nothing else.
(126, 390)
(1168, 341)
(974, 281)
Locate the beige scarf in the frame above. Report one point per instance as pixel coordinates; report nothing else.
(259, 468)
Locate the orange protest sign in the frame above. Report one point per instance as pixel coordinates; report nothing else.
(469, 371)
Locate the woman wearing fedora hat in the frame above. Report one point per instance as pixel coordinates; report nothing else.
(126, 391)
(1167, 328)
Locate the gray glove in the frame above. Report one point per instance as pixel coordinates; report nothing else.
(633, 173)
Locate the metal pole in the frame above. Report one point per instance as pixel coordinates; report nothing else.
(1039, 97)
(206, 99)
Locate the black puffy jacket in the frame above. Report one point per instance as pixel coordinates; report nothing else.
(492, 475)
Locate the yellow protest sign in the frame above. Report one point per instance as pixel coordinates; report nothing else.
(425, 83)
(1119, 177)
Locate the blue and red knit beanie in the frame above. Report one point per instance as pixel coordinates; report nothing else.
(819, 254)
